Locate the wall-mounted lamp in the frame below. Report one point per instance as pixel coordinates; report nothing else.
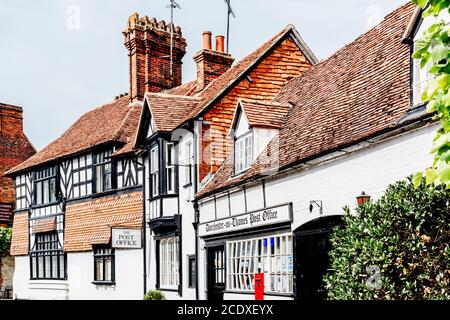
(363, 198)
(318, 204)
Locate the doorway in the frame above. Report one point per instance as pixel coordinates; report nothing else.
(216, 272)
(312, 244)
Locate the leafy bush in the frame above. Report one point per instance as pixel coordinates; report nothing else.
(154, 295)
(5, 240)
(395, 248)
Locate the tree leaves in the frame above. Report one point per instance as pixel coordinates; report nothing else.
(432, 49)
(405, 236)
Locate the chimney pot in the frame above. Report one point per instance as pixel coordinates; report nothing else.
(207, 40)
(220, 41)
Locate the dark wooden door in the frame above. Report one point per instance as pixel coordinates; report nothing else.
(216, 273)
(312, 263)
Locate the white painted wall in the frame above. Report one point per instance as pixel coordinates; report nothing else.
(337, 183)
(128, 275)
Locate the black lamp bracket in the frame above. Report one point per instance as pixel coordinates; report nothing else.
(318, 204)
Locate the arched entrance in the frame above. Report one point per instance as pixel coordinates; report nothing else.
(311, 251)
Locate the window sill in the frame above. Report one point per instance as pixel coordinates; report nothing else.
(169, 289)
(274, 294)
(103, 194)
(38, 206)
(104, 283)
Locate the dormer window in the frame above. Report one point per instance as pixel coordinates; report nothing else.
(243, 152)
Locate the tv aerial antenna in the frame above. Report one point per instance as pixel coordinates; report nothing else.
(173, 5)
(229, 13)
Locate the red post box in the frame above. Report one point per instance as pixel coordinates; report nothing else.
(259, 286)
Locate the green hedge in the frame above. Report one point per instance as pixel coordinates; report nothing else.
(5, 240)
(395, 248)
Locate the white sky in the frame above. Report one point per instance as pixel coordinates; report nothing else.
(61, 58)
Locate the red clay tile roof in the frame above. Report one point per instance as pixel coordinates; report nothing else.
(361, 90)
(169, 111)
(113, 122)
(44, 225)
(219, 86)
(89, 223)
(19, 241)
(186, 89)
(265, 115)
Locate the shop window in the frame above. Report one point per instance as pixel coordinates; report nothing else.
(169, 262)
(103, 265)
(272, 256)
(47, 258)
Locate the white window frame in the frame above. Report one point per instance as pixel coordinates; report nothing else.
(169, 263)
(188, 163)
(154, 170)
(249, 256)
(170, 168)
(243, 152)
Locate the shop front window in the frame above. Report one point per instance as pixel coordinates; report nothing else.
(272, 256)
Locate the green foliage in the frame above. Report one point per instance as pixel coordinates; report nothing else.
(433, 50)
(154, 295)
(397, 248)
(5, 240)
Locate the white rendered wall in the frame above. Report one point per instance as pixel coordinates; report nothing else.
(128, 274)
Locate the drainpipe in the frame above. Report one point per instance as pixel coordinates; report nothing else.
(144, 229)
(196, 209)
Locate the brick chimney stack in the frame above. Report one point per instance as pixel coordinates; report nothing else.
(14, 149)
(211, 64)
(148, 44)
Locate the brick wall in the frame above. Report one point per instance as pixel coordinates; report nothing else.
(148, 44)
(284, 63)
(14, 148)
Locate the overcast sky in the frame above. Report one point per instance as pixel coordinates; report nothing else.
(61, 58)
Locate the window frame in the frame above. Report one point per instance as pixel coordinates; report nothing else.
(237, 280)
(154, 173)
(98, 254)
(246, 163)
(192, 276)
(41, 176)
(52, 248)
(169, 269)
(188, 165)
(105, 160)
(170, 167)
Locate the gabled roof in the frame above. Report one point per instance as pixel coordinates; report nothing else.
(113, 122)
(219, 86)
(360, 91)
(264, 114)
(169, 111)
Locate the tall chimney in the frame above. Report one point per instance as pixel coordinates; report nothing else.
(211, 64)
(14, 149)
(148, 43)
